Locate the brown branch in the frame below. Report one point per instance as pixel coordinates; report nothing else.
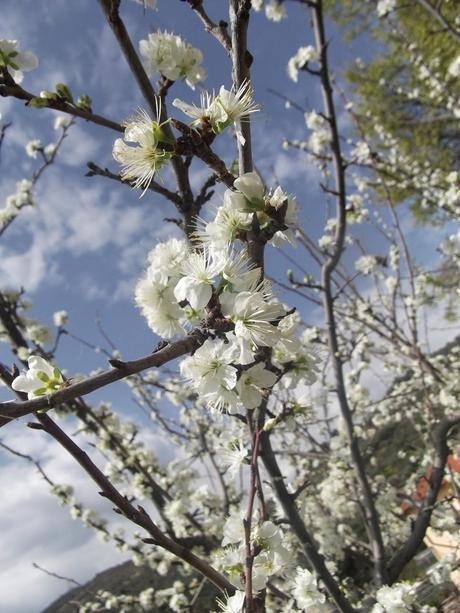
(16, 91)
(436, 13)
(218, 30)
(422, 522)
(137, 515)
(371, 516)
(250, 551)
(298, 527)
(110, 10)
(241, 61)
(95, 170)
(30, 459)
(12, 410)
(55, 575)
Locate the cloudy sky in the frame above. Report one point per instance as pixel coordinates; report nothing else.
(84, 245)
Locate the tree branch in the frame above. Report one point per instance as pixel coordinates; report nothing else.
(241, 61)
(371, 516)
(12, 410)
(16, 91)
(298, 527)
(137, 515)
(436, 13)
(218, 30)
(413, 543)
(94, 169)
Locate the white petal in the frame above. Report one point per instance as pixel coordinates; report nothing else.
(26, 60)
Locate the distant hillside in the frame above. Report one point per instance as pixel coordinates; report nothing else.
(127, 579)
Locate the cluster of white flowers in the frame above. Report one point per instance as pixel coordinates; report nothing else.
(395, 599)
(356, 213)
(169, 55)
(148, 150)
(385, 6)
(235, 216)
(181, 285)
(22, 197)
(229, 106)
(300, 60)
(366, 264)
(274, 9)
(16, 61)
(306, 592)
(146, 146)
(321, 133)
(267, 538)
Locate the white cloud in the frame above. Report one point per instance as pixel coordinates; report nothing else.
(69, 218)
(36, 529)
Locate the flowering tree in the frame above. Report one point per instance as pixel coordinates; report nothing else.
(295, 459)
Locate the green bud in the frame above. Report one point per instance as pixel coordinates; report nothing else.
(270, 424)
(47, 95)
(84, 101)
(64, 92)
(38, 103)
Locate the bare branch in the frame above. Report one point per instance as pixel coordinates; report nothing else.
(241, 61)
(16, 91)
(435, 12)
(94, 169)
(12, 410)
(422, 522)
(371, 515)
(137, 515)
(218, 30)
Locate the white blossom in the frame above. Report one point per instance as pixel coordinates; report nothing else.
(306, 592)
(62, 121)
(168, 54)
(41, 378)
(16, 61)
(275, 11)
(366, 264)
(395, 599)
(210, 370)
(454, 67)
(60, 318)
(385, 6)
(252, 383)
(33, 147)
(233, 604)
(253, 317)
(146, 154)
(199, 270)
(300, 60)
(229, 106)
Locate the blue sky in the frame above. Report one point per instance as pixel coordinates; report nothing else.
(85, 244)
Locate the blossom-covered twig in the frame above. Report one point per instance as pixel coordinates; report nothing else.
(110, 10)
